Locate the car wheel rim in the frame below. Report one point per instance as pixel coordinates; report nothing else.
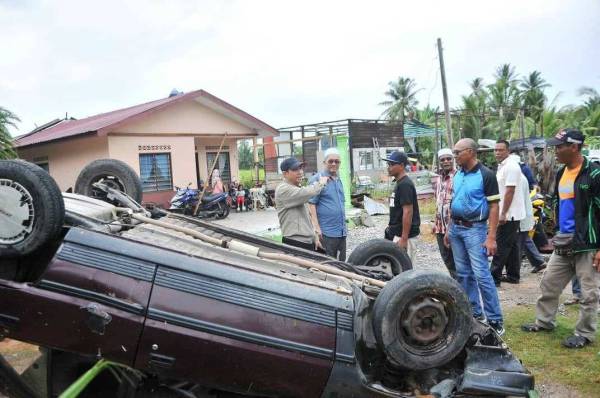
(17, 213)
(425, 321)
(424, 327)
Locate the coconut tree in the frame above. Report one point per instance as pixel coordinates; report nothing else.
(533, 96)
(402, 99)
(7, 118)
(504, 96)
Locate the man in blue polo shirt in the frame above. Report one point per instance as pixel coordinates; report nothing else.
(327, 209)
(475, 200)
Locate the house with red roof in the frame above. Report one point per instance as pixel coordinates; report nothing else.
(170, 142)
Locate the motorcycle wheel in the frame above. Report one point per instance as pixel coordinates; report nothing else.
(223, 213)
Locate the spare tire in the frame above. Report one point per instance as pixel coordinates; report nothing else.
(422, 319)
(114, 173)
(32, 210)
(380, 256)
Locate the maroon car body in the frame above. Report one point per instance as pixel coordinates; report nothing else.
(192, 316)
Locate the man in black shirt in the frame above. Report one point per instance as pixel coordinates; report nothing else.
(404, 208)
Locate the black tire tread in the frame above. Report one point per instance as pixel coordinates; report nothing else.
(420, 281)
(47, 202)
(117, 168)
(364, 251)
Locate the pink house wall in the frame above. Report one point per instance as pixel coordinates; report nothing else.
(67, 158)
(181, 130)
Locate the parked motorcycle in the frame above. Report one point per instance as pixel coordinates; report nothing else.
(544, 222)
(185, 201)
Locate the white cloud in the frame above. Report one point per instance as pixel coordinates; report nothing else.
(285, 62)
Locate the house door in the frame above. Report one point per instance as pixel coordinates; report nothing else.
(222, 165)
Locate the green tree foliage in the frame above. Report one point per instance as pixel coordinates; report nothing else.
(402, 96)
(500, 109)
(534, 99)
(7, 118)
(245, 157)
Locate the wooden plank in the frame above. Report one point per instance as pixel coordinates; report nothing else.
(388, 135)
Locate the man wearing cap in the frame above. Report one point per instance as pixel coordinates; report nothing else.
(405, 221)
(577, 242)
(475, 201)
(443, 197)
(327, 210)
(291, 201)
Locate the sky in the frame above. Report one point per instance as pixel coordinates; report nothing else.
(284, 62)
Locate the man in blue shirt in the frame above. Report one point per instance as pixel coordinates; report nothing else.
(327, 208)
(475, 199)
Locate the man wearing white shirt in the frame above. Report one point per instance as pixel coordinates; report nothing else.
(512, 211)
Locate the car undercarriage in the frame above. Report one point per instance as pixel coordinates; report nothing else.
(172, 306)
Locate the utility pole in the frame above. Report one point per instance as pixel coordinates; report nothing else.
(445, 92)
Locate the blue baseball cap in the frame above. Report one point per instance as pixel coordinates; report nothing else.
(398, 158)
(291, 164)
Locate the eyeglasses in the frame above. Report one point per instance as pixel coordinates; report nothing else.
(448, 159)
(456, 153)
(333, 161)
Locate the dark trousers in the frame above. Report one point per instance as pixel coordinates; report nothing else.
(507, 252)
(335, 247)
(446, 253)
(297, 243)
(302, 245)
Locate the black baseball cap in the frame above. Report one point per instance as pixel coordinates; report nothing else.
(566, 136)
(398, 158)
(291, 164)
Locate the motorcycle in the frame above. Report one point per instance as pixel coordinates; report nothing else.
(544, 222)
(185, 200)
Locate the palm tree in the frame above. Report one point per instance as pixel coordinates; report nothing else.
(533, 95)
(7, 118)
(474, 110)
(504, 95)
(402, 100)
(590, 110)
(593, 100)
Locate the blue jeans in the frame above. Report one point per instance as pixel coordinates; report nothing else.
(473, 271)
(576, 287)
(531, 251)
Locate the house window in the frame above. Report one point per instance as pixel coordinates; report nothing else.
(42, 161)
(365, 160)
(155, 170)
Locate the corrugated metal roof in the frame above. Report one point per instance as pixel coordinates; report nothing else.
(100, 124)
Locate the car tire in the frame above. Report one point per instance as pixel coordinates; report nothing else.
(422, 319)
(382, 256)
(115, 173)
(32, 210)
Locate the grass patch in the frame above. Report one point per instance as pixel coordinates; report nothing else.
(543, 354)
(245, 177)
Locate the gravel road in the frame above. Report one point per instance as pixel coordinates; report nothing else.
(428, 257)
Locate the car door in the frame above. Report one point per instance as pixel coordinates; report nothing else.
(234, 329)
(91, 299)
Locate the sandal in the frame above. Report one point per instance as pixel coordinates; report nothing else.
(534, 328)
(576, 342)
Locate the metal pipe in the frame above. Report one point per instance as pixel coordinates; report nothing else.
(245, 248)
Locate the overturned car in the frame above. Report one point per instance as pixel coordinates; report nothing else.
(179, 307)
